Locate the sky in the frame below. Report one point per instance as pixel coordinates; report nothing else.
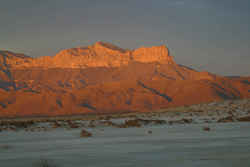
(207, 35)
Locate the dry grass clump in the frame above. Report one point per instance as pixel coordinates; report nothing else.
(85, 133)
(5, 147)
(206, 129)
(45, 163)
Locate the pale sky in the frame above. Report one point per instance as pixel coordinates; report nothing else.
(212, 35)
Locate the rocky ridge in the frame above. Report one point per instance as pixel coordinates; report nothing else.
(99, 54)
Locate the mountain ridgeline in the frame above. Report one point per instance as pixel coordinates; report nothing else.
(103, 78)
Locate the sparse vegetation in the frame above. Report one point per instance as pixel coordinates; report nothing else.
(206, 129)
(149, 132)
(85, 133)
(221, 112)
(5, 147)
(45, 163)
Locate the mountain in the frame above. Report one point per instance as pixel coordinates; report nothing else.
(106, 78)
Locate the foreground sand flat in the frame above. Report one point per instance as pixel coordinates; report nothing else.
(176, 145)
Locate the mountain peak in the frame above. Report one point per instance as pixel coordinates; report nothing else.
(107, 45)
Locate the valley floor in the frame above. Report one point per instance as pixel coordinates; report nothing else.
(190, 139)
(177, 145)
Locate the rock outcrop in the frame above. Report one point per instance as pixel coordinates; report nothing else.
(159, 54)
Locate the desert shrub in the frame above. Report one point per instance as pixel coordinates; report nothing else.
(206, 128)
(5, 147)
(45, 163)
(85, 133)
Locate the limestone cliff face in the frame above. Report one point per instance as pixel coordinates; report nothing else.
(99, 54)
(158, 54)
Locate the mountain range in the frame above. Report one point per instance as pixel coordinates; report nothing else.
(104, 78)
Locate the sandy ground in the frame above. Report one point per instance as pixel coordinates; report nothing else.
(177, 145)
